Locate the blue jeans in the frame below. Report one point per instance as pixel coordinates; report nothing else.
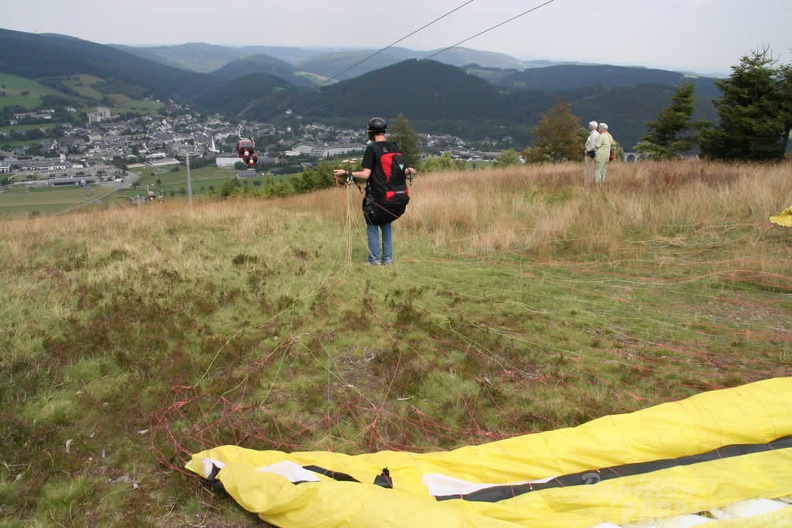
(373, 233)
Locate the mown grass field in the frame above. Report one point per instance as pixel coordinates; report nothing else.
(169, 181)
(519, 302)
(172, 180)
(28, 94)
(21, 201)
(21, 92)
(84, 85)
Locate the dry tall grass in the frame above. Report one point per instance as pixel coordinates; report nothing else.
(541, 210)
(537, 210)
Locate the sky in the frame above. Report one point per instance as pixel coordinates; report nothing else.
(702, 36)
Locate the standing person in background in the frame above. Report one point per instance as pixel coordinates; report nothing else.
(603, 146)
(386, 173)
(589, 150)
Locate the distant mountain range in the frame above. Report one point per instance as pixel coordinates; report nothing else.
(465, 92)
(331, 63)
(207, 58)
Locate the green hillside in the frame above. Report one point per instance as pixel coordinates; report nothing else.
(40, 56)
(263, 64)
(427, 89)
(257, 91)
(519, 302)
(21, 92)
(77, 93)
(573, 76)
(438, 98)
(92, 91)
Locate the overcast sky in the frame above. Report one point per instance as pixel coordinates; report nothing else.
(705, 36)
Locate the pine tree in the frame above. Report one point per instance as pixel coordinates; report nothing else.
(402, 132)
(755, 112)
(673, 133)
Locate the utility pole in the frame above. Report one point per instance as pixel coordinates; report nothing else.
(189, 180)
(187, 150)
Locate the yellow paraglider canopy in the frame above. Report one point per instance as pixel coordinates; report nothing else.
(784, 218)
(704, 460)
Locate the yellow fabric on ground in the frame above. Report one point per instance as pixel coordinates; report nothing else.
(752, 414)
(784, 218)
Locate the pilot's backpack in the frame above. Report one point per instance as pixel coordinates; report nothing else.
(387, 194)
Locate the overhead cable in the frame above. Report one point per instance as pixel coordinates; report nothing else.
(337, 75)
(489, 29)
(401, 39)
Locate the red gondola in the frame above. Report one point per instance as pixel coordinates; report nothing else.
(246, 149)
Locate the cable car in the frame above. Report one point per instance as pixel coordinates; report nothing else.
(246, 149)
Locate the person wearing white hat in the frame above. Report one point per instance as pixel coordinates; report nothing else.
(589, 149)
(603, 145)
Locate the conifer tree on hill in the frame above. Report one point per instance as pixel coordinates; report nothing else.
(755, 111)
(673, 133)
(402, 132)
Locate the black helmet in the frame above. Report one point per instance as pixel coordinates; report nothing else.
(377, 125)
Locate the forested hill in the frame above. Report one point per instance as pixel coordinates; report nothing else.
(40, 56)
(253, 94)
(263, 64)
(566, 77)
(424, 89)
(428, 89)
(438, 98)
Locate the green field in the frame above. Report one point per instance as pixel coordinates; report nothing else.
(13, 82)
(206, 180)
(121, 104)
(171, 178)
(125, 105)
(83, 85)
(14, 86)
(519, 302)
(31, 200)
(172, 184)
